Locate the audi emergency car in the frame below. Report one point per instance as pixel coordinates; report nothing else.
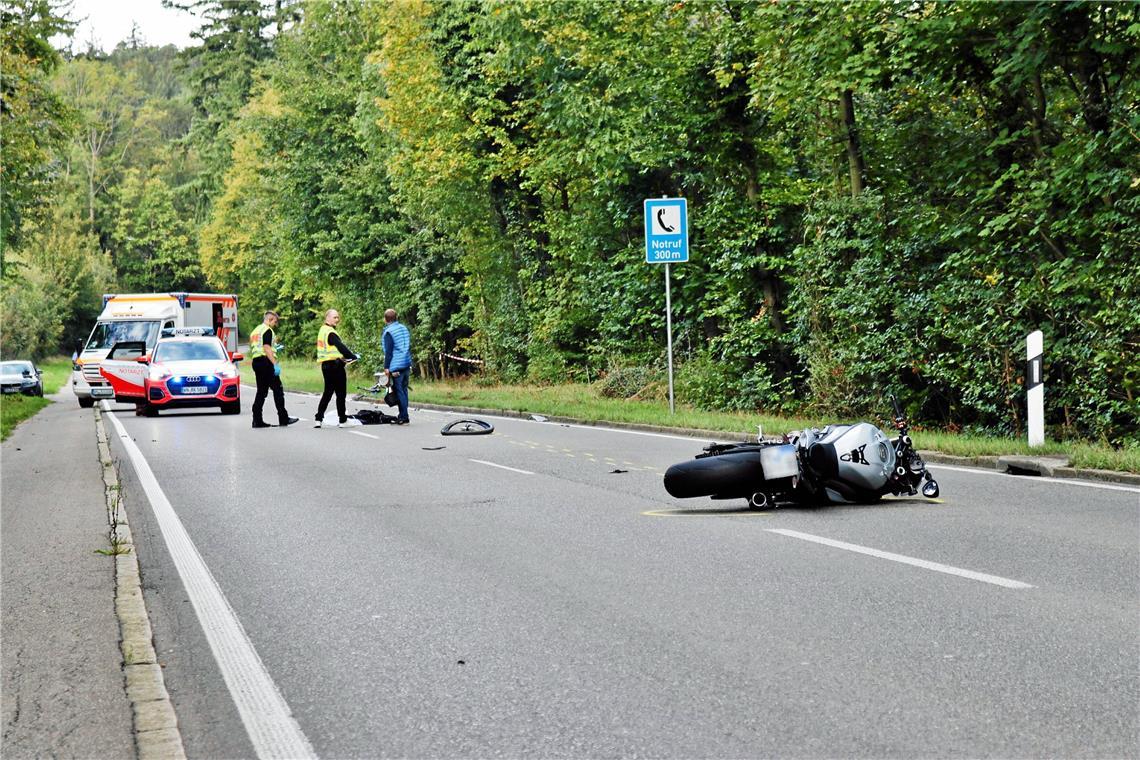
(189, 367)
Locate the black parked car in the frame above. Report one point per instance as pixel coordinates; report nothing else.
(21, 377)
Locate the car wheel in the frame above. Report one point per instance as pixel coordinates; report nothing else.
(86, 402)
(148, 410)
(231, 407)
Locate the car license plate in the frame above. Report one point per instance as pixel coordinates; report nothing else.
(194, 389)
(102, 393)
(11, 389)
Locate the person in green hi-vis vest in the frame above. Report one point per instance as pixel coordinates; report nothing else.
(267, 370)
(333, 356)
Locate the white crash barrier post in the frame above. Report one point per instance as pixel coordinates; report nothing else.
(1035, 387)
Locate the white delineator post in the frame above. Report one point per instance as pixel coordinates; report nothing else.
(1035, 387)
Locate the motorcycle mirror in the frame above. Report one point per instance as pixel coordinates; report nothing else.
(930, 489)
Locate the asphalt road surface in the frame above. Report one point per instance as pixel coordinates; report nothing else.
(391, 592)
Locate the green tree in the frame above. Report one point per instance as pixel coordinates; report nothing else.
(150, 245)
(220, 74)
(34, 121)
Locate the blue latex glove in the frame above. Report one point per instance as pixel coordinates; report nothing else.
(277, 370)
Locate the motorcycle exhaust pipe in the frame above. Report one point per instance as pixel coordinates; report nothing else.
(758, 500)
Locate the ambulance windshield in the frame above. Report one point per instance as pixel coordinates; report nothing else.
(107, 334)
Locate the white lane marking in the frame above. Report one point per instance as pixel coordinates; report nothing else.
(500, 466)
(268, 720)
(926, 565)
(1039, 478)
(366, 435)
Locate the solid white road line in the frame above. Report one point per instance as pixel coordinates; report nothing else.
(500, 466)
(270, 724)
(1039, 478)
(935, 566)
(560, 424)
(1063, 481)
(366, 435)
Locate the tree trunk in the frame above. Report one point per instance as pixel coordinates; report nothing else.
(851, 137)
(91, 185)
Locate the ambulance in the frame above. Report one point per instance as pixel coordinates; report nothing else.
(142, 317)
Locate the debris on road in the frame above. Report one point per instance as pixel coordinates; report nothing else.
(467, 427)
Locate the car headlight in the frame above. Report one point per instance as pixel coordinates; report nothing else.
(227, 373)
(159, 373)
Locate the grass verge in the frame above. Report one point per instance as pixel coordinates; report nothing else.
(584, 402)
(14, 409)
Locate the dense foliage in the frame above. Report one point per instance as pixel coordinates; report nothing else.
(883, 197)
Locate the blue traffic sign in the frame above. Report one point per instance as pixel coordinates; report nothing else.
(666, 230)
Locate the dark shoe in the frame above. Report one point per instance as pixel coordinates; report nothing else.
(402, 422)
(289, 421)
(261, 424)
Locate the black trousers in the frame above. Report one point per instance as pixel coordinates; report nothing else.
(267, 381)
(336, 381)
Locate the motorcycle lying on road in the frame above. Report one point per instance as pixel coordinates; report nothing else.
(840, 464)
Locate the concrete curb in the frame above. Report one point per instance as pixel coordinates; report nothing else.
(156, 726)
(1044, 466)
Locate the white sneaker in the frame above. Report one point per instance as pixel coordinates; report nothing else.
(318, 424)
(350, 422)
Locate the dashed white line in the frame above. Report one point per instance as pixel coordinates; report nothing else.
(926, 565)
(501, 466)
(366, 435)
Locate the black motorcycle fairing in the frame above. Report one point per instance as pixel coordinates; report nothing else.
(823, 459)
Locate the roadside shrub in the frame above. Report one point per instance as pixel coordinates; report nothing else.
(633, 382)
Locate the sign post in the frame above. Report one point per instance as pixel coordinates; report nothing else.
(667, 242)
(1035, 387)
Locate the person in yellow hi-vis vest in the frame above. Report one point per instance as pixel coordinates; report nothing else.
(267, 370)
(333, 356)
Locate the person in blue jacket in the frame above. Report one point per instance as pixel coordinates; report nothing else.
(397, 361)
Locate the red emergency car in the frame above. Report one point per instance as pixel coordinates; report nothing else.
(189, 367)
